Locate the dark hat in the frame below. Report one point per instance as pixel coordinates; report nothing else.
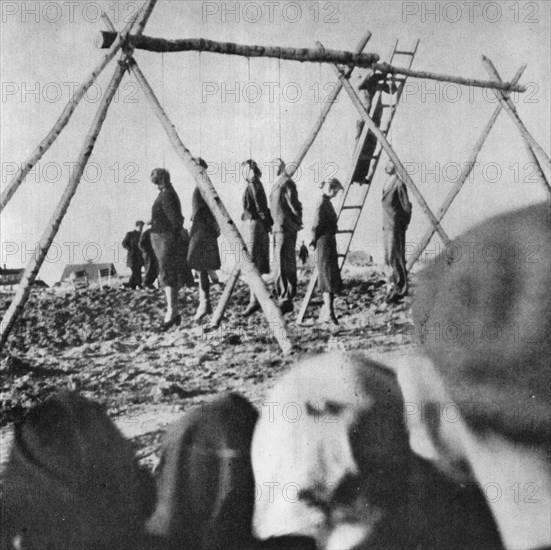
(140, 222)
(483, 311)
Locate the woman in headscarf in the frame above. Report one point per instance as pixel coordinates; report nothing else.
(203, 254)
(324, 242)
(257, 224)
(166, 226)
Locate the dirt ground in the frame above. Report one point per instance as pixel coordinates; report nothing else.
(105, 344)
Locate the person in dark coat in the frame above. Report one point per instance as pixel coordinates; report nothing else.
(372, 82)
(286, 210)
(257, 225)
(149, 259)
(324, 241)
(166, 228)
(134, 259)
(186, 275)
(303, 253)
(396, 218)
(203, 253)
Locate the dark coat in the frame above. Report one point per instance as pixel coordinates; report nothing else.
(396, 218)
(166, 214)
(285, 207)
(203, 254)
(257, 223)
(166, 227)
(131, 242)
(323, 236)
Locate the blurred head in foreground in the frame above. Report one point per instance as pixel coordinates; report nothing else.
(331, 461)
(478, 399)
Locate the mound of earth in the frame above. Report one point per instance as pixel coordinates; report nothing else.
(105, 343)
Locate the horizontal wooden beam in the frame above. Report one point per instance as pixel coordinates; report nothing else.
(304, 55)
(309, 55)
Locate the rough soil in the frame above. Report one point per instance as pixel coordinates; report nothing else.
(105, 344)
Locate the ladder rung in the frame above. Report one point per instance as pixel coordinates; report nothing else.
(341, 255)
(345, 231)
(352, 207)
(403, 52)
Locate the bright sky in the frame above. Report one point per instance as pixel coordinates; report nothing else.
(227, 109)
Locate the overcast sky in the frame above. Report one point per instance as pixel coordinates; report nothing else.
(227, 109)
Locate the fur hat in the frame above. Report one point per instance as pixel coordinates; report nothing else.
(483, 312)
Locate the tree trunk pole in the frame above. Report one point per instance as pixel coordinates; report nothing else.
(63, 119)
(537, 164)
(309, 55)
(225, 298)
(462, 178)
(290, 169)
(208, 192)
(36, 261)
(511, 111)
(529, 141)
(400, 170)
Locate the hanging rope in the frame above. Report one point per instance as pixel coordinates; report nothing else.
(250, 110)
(321, 131)
(163, 92)
(200, 106)
(279, 103)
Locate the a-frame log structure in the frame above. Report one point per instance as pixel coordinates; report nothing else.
(132, 37)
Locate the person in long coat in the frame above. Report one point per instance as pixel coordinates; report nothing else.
(149, 259)
(203, 254)
(134, 259)
(396, 218)
(324, 241)
(166, 227)
(286, 210)
(257, 225)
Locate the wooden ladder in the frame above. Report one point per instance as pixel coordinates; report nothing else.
(351, 206)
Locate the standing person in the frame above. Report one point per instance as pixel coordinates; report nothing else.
(166, 227)
(324, 242)
(396, 218)
(134, 259)
(257, 224)
(149, 259)
(303, 253)
(203, 254)
(286, 212)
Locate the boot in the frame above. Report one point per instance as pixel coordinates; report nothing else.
(171, 294)
(204, 308)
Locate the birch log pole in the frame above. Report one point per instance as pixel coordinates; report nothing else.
(208, 192)
(308, 55)
(290, 169)
(511, 111)
(425, 239)
(400, 170)
(63, 119)
(35, 262)
(530, 142)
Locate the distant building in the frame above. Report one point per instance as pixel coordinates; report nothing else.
(90, 271)
(11, 277)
